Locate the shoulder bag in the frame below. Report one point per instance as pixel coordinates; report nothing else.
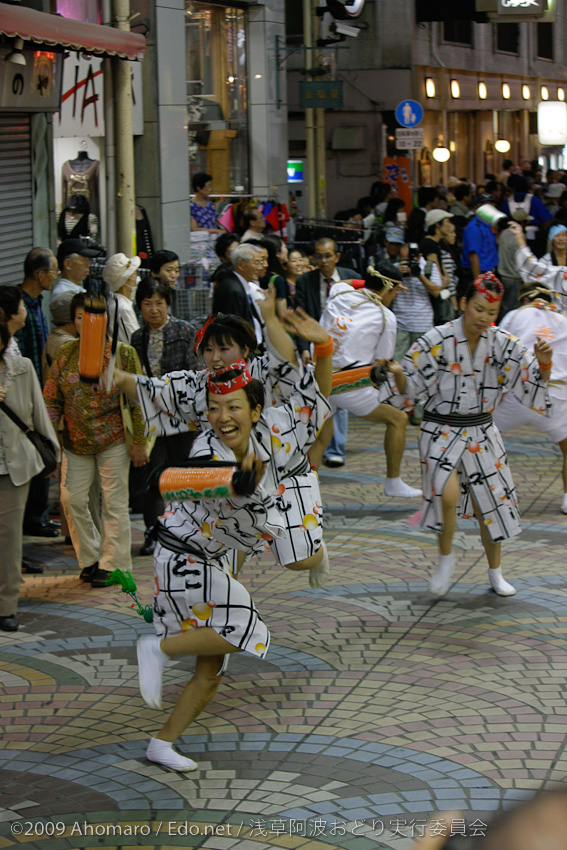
(43, 444)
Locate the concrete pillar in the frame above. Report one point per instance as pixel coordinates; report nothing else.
(267, 123)
(122, 83)
(171, 143)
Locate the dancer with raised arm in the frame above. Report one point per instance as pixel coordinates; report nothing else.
(539, 318)
(174, 400)
(200, 608)
(458, 372)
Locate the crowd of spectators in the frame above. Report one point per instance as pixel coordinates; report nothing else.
(438, 247)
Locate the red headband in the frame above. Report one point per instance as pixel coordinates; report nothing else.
(238, 382)
(201, 333)
(480, 285)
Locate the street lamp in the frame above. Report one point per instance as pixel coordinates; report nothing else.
(440, 153)
(15, 56)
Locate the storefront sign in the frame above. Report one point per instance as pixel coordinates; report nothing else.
(409, 140)
(525, 8)
(82, 105)
(295, 170)
(552, 123)
(397, 172)
(327, 94)
(33, 87)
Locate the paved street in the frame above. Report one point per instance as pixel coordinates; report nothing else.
(378, 705)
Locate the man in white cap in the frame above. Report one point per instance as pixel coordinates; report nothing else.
(438, 226)
(121, 274)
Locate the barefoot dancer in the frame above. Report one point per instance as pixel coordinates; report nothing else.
(459, 371)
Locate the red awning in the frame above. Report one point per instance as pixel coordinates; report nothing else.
(74, 35)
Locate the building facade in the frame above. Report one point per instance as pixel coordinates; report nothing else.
(485, 81)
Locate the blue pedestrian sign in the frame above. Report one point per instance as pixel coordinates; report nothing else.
(409, 113)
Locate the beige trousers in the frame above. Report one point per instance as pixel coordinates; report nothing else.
(111, 548)
(12, 507)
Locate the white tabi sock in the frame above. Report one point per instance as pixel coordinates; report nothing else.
(442, 577)
(499, 584)
(162, 752)
(397, 488)
(564, 504)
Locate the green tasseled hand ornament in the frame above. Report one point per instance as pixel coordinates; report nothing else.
(128, 586)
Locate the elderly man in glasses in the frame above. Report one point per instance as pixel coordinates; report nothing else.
(311, 293)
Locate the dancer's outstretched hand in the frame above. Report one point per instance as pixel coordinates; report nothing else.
(267, 305)
(543, 351)
(305, 326)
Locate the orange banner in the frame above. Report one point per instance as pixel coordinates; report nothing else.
(397, 172)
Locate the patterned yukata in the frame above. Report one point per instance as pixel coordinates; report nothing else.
(539, 319)
(446, 379)
(197, 588)
(179, 400)
(544, 272)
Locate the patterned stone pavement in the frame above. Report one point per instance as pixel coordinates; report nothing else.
(378, 705)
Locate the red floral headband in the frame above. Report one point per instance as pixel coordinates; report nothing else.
(236, 382)
(201, 333)
(480, 285)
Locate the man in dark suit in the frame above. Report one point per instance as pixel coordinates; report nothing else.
(311, 292)
(235, 290)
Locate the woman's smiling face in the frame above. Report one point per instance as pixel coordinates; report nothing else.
(231, 418)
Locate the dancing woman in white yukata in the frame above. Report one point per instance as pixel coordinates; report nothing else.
(200, 608)
(458, 372)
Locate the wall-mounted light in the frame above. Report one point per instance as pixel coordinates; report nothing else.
(482, 91)
(560, 94)
(257, 76)
(15, 56)
(526, 93)
(231, 79)
(452, 147)
(502, 145)
(544, 92)
(440, 153)
(429, 87)
(505, 91)
(455, 89)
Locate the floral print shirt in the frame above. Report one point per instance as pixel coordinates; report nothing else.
(92, 419)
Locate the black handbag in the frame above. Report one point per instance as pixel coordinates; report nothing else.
(43, 444)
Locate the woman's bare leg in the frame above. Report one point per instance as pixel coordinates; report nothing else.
(441, 578)
(449, 501)
(196, 695)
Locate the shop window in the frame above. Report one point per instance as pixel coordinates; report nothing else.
(80, 10)
(217, 99)
(458, 32)
(293, 18)
(545, 41)
(507, 38)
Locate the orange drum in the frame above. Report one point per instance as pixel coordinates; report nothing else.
(351, 379)
(182, 484)
(93, 338)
